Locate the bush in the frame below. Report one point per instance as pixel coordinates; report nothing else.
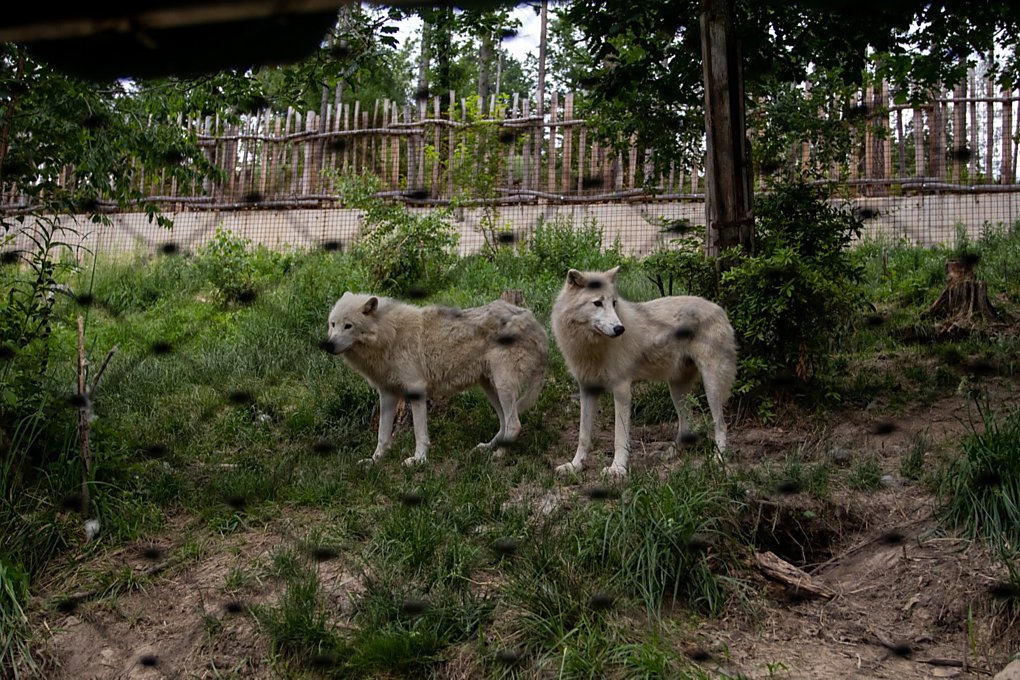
(402, 250)
(792, 300)
(558, 245)
(235, 269)
(682, 262)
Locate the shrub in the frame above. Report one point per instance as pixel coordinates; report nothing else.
(402, 250)
(790, 302)
(235, 269)
(557, 245)
(682, 262)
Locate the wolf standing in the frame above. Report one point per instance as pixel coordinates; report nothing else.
(417, 353)
(608, 343)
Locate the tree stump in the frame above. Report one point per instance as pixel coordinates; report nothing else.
(514, 296)
(963, 303)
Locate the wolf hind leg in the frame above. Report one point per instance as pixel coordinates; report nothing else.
(493, 397)
(718, 381)
(506, 389)
(679, 387)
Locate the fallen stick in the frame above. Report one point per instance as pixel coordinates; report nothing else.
(782, 571)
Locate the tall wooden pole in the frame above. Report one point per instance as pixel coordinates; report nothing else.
(728, 191)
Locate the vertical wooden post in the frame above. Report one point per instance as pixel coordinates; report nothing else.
(886, 141)
(919, 166)
(395, 148)
(938, 135)
(436, 138)
(552, 153)
(989, 128)
(568, 141)
(527, 158)
(959, 128)
(972, 160)
(1006, 171)
(728, 199)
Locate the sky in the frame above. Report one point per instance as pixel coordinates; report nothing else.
(525, 43)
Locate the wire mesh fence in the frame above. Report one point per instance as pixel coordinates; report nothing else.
(923, 172)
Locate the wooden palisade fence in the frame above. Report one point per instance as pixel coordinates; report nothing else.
(277, 159)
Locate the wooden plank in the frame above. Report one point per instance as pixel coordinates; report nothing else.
(355, 142)
(510, 140)
(527, 160)
(436, 139)
(886, 137)
(972, 159)
(552, 153)
(901, 148)
(451, 113)
(395, 148)
(937, 159)
(869, 138)
(631, 162)
(568, 141)
(989, 130)
(918, 124)
(267, 156)
(582, 148)
(1006, 170)
(959, 129)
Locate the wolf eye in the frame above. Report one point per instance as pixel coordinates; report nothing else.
(597, 303)
(348, 326)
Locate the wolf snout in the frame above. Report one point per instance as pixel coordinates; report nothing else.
(329, 346)
(618, 330)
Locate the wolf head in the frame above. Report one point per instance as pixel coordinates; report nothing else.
(590, 299)
(352, 320)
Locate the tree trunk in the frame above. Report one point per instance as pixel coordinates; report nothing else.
(728, 181)
(963, 303)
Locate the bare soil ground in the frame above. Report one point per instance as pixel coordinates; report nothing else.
(910, 601)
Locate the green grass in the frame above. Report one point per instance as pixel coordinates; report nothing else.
(240, 422)
(980, 490)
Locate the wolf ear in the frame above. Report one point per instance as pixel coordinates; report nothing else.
(370, 306)
(576, 279)
(611, 274)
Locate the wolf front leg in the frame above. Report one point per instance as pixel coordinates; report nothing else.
(421, 427)
(589, 408)
(387, 413)
(621, 404)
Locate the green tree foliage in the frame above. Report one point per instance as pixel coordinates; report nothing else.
(646, 74)
(361, 55)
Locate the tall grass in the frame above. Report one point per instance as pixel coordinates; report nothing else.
(980, 490)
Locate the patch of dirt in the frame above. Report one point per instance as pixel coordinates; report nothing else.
(190, 621)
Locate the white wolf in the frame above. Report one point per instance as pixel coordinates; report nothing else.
(608, 343)
(417, 353)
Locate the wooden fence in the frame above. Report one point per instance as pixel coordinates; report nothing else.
(962, 137)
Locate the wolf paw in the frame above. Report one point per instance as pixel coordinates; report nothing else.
(614, 470)
(412, 461)
(367, 461)
(567, 469)
(483, 446)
